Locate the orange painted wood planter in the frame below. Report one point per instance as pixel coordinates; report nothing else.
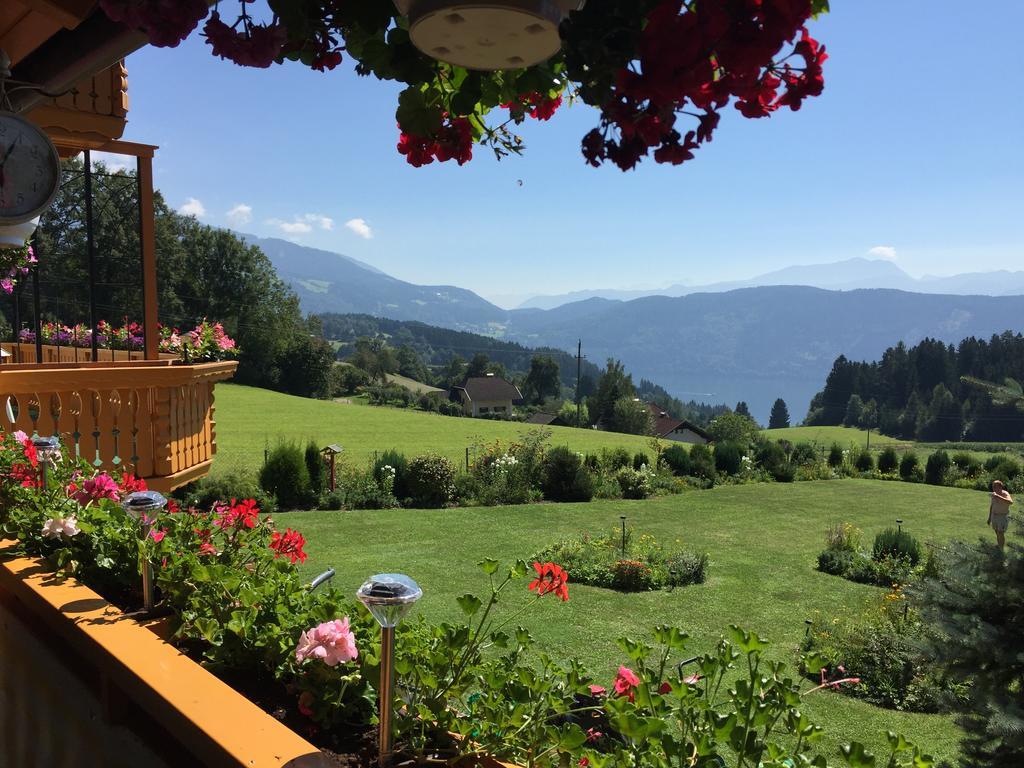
(21, 352)
(149, 416)
(82, 684)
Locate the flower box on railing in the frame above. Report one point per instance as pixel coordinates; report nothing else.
(81, 683)
(151, 417)
(23, 352)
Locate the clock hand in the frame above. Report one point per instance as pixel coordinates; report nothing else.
(8, 153)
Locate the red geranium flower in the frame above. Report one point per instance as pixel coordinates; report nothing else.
(288, 544)
(238, 514)
(550, 578)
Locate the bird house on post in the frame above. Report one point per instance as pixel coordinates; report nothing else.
(330, 454)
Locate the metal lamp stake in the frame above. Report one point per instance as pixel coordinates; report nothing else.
(623, 519)
(388, 596)
(46, 449)
(145, 506)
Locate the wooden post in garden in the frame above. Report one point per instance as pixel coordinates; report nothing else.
(330, 454)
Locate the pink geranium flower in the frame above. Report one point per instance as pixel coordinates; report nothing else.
(625, 681)
(332, 642)
(100, 487)
(61, 527)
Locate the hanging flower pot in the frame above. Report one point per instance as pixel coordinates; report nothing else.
(15, 235)
(500, 34)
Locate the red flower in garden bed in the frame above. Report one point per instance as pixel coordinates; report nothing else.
(237, 514)
(550, 578)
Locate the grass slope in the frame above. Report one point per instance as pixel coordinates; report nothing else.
(763, 540)
(825, 436)
(248, 419)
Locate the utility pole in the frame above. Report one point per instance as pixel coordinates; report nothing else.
(579, 363)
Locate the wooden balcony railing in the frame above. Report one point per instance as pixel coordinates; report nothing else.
(150, 417)
(21, 352)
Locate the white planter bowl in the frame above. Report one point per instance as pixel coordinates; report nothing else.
(15, 235)
(487, 34)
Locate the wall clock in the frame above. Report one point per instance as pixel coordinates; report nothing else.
(29, 170)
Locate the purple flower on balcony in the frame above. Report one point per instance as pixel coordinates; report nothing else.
(26, 336)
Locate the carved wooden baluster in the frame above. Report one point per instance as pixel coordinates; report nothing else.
(12, 409)
(115, 431)
(75, 409)
(162, 432)
(34, 411)
(133, 411)
(55, 412)
(96, 408)
(213, 422)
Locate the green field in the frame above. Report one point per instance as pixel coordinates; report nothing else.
(250, 419)
(763, 540)
(825, 436)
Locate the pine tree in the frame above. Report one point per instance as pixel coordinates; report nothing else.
(973, 607)
(742, 409)
(779, 418)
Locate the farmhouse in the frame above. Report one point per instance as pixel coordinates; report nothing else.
(486, 395)
(679, 430)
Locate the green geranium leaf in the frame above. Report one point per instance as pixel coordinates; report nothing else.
(489, 566)
(857, 756)
(469, 604)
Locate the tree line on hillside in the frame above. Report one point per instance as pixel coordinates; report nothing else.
(608, 400)
(437, 347)
(925, 392)
(203, 272)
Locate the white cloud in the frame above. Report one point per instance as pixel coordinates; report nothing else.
(360, 227)
(883, 252)
(113, 162)
(239, 215)
(303, 224)
(193, 207)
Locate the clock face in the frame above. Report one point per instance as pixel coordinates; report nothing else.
(29, 170)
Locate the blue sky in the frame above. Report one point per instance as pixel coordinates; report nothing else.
(914, 150)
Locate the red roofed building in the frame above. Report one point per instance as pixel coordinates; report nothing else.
(679, 430)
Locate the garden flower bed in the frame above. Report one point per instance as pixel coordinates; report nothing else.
(227, 580)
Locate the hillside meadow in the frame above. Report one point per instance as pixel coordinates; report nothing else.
(251, 419)
(762, 539)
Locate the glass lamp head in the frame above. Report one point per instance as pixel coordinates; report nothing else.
(389, 596)
(143, 503)
(46, 446)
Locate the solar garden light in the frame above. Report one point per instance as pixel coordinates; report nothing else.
(807, 631)
(899, 524)
(388, 596)
(622, 518)
(47, 449)
(145, 506)
(323, 578)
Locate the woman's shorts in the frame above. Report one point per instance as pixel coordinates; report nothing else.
(1000, 523)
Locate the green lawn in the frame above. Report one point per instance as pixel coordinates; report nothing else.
(249, 419)
(763, 540)
(825, 436)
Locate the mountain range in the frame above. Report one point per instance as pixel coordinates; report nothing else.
(845, 275)
(724, 344)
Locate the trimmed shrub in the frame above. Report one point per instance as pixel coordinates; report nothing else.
(784, 473)
(233, 485)
(936, 468)
(804, 453)
(908, 465)
(640, 460)
(894, 543)
(702, 462)
(431, 481)
(635, 483)
(1005, 469)
(632, 576)
(835, 456)
(334, 501)
(888, 461)
(864, 462)
(317, 470)
(286, 476)
(968, 464)
(686, 568)
(728, 458)
(613, 459)
(397, 461)
(677, 459)
(566, 477)
(771, 456)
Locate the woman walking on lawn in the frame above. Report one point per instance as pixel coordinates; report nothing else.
(999, 511)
